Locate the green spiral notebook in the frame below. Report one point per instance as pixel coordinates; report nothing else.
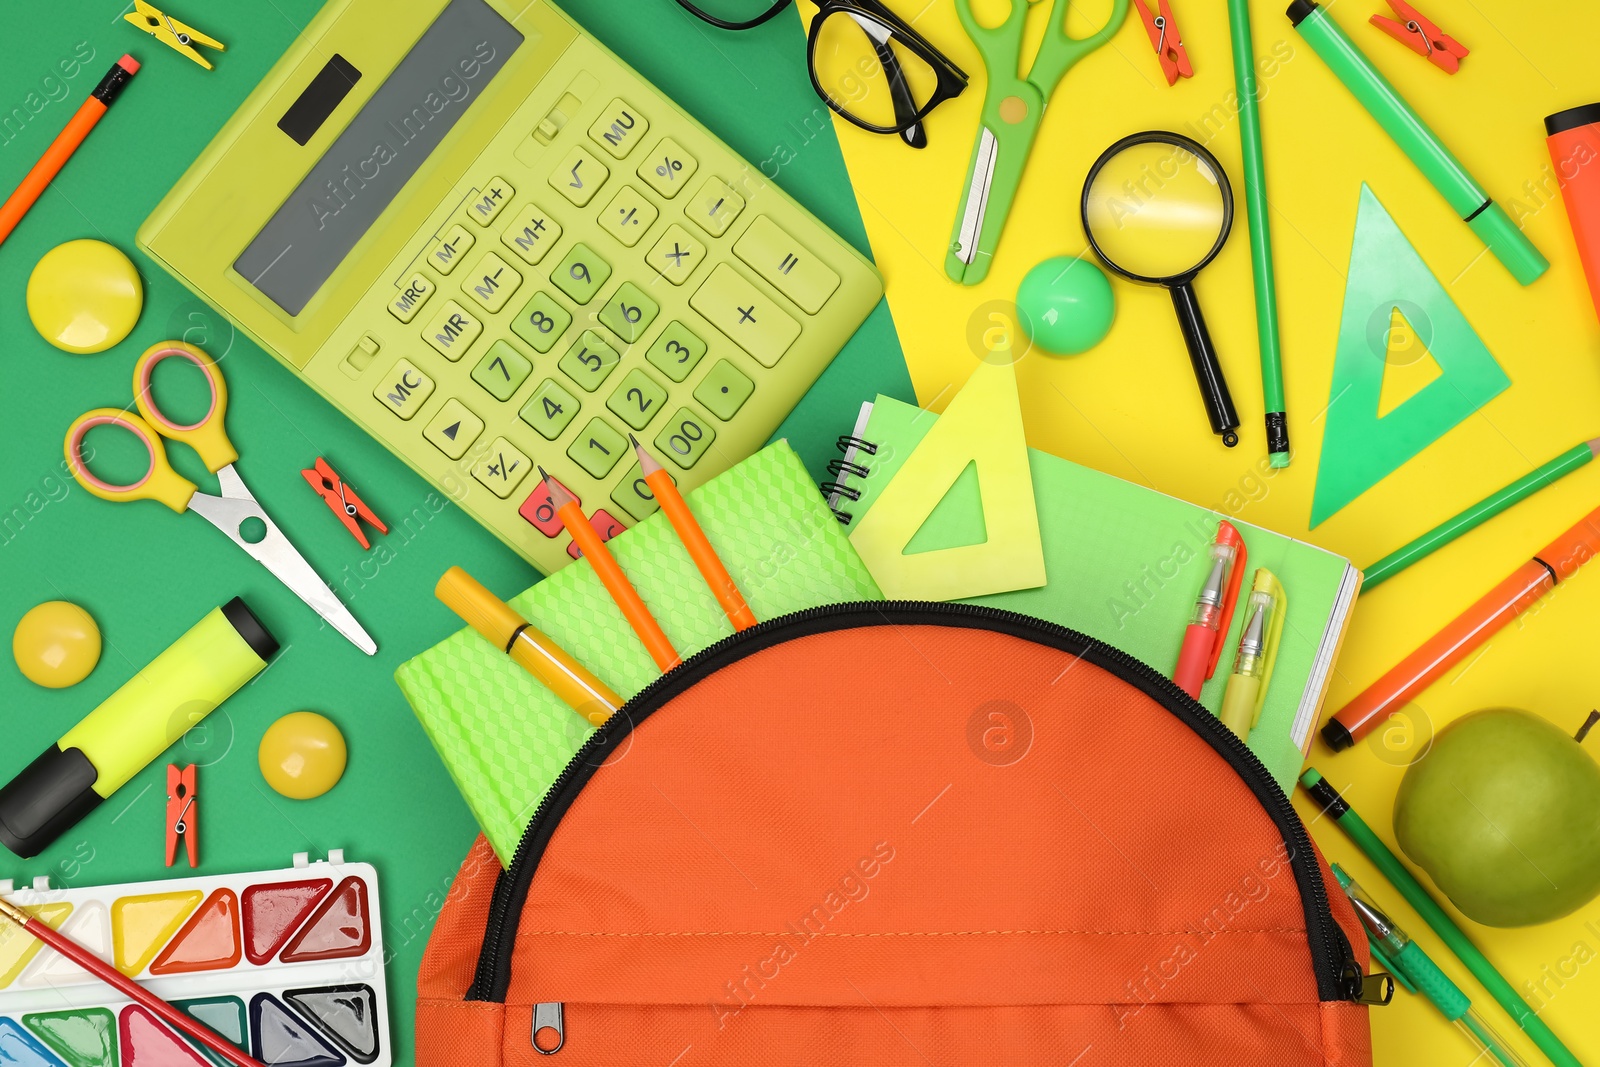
(505, 738)
(1123, 564)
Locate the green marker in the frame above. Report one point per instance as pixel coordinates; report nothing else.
(1487, 219)
(1465, 951)
(1414, 970)
(1480, 513)
(1256, 210)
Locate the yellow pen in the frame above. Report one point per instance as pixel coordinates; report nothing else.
(1258, 652)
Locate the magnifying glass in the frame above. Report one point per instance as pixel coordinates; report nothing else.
(1157, 208)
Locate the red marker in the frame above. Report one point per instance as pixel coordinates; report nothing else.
(1213, 612)
(67, 141)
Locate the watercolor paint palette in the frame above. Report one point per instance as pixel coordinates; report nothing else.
(287, 965)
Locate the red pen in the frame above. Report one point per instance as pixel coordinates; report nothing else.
(1213, 611)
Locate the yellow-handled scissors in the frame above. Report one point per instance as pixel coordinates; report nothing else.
(1013, 105)
(226, 512)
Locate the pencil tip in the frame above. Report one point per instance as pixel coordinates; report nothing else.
(633, 440)
(1594, 446)
(543, 474)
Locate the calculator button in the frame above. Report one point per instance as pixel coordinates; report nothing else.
(618, 128)
(404, 389)
(581, 273)
(448, 252)
(668, 168)
(597, 448)
(453, 430)
(541, 322)
(637, 399)
(590, 361)
(629, 312)
(491, 200)
(491, 282)
(409, 300)
(685, 438)
(737, 308)
(540, 512)
(634, 495)
(628, 215)
(714, 207)
(605, 524)
(676, 351)
(533, 234)
(501, 370)
(579, 176)
(676, 255)
(452, 331)
(502, 467)
(549, 409)
(785, 263)
(724, 390)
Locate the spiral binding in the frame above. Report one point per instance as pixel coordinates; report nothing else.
(839, 490)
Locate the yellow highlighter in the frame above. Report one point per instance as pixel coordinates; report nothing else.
(1258, 652)
(137, 723)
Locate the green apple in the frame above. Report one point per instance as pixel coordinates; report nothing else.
(1503, 812)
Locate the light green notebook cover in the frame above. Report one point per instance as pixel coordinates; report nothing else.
(1124, 564)
(505, 738)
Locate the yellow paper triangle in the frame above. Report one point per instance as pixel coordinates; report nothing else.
(982, 427)
(140, 926)
(1408, 365)
(17, 946)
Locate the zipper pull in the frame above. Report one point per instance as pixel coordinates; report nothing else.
(1370, 989)
(548, 1027)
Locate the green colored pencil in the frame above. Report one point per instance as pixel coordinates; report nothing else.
(1456, 941)
(1256, 210)
(1480, 513)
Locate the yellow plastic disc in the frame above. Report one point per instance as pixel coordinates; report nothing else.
(56, 644)
(84, 296)
(302, 755)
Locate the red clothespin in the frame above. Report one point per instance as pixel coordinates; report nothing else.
(342, 498)
(1422, 37)
(183, 811)
(1166, 39)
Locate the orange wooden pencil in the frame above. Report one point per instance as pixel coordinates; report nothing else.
(694, 539)
(610, 574)
(67, 141)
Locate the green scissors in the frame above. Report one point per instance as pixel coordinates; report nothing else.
(1012, 109)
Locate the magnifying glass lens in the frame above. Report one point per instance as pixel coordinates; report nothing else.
(1156, 211)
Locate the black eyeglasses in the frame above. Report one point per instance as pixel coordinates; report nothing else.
(866, 62)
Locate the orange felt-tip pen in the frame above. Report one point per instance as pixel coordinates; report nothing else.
(694, 539)
(67, 141)
(531, 649)
(1519, 592)
(609, 572)
(1213, 611)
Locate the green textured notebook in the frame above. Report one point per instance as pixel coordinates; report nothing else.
(505, 738)
(1124, 564)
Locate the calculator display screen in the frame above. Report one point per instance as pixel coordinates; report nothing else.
(378, 152)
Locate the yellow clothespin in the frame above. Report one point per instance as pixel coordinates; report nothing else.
(171, 32)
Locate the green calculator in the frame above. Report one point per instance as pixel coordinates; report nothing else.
(496, 247)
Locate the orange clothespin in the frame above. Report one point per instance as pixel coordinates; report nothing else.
(1422, 37)
(342, 498)
(1166, 39)
(183, 812)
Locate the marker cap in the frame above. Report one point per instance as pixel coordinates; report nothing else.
(1495, 228)
(479, 608)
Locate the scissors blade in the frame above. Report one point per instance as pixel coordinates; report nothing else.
(236, 504)
(978, 187)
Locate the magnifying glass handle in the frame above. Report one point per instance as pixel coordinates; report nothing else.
(1207, 371)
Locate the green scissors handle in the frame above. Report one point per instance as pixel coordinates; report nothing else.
(1013, 107)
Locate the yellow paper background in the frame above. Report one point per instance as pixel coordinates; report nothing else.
(1130, 406)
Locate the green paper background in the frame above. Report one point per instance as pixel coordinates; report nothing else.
(147, 575)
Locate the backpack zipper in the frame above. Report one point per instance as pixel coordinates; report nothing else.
(1339, 976)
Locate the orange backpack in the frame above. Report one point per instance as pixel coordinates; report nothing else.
(902, 835)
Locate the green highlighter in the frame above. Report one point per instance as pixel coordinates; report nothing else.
(1414, 970)
(1351, 66)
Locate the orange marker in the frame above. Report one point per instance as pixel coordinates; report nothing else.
(694, 539)
(610, 574)
(55, 157)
